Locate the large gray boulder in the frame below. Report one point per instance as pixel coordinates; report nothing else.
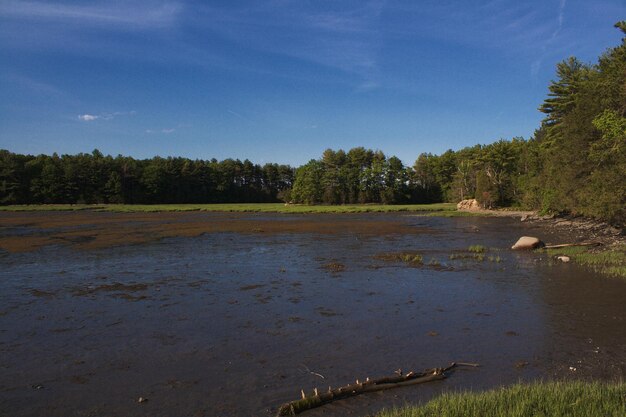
(527, 242)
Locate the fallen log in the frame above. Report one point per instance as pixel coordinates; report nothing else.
(567, 245)
(369, 385)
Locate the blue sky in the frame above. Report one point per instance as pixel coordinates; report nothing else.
(282, 80)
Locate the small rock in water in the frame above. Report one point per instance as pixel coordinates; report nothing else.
(563, 258)
(527, 242)
(142, 400)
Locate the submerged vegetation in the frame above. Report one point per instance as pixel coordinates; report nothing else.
(334, 267)
(410, 258)
(475, 253)
(609, 261)
(554, 399)
(477, 249)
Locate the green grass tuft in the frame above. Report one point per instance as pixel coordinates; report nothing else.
(549, 399)
(476, 253)
(412, 258)
(477, 249)
(609, 261)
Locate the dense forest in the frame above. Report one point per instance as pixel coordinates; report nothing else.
(574, 163)
(95, 178)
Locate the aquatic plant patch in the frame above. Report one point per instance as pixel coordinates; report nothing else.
(609, 261)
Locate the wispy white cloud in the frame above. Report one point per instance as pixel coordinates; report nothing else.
(338, 38)
(535, 66)
(163, 131)
(499, 24)
(104, 116)
(559, 19)
(239, 115)
(130, 15)
(367, 85)
(85, 28)
(343, 37)
(33, 85)
(88, 117)
(521, 30)
(561, 10)
(109, 116)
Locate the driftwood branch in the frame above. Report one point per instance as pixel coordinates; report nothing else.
(400, 380)
(567, 245)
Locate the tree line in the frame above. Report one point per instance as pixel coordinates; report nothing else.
(575, 162)
(95, 178)
(366, 176)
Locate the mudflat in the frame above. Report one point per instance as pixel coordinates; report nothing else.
(231, 314)
(27, 231)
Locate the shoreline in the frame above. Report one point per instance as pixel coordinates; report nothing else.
(577, 228)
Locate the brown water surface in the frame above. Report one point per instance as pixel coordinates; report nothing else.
(209, 314)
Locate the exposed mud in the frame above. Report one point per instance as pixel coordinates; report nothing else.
(207, 314)
(26, 231)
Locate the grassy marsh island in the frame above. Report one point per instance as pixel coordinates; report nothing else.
(609, 260)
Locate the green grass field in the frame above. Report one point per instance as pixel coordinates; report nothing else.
(552, 399)
(254, 207)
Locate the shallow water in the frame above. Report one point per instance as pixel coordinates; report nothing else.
(234, 324)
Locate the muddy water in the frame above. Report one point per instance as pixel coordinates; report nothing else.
(233, 323)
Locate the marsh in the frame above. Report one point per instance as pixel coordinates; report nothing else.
(231, 314)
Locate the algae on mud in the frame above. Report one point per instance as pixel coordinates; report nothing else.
(87, 229)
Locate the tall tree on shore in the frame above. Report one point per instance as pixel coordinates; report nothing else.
(585, 120)
(562, 96)
(307, 186)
